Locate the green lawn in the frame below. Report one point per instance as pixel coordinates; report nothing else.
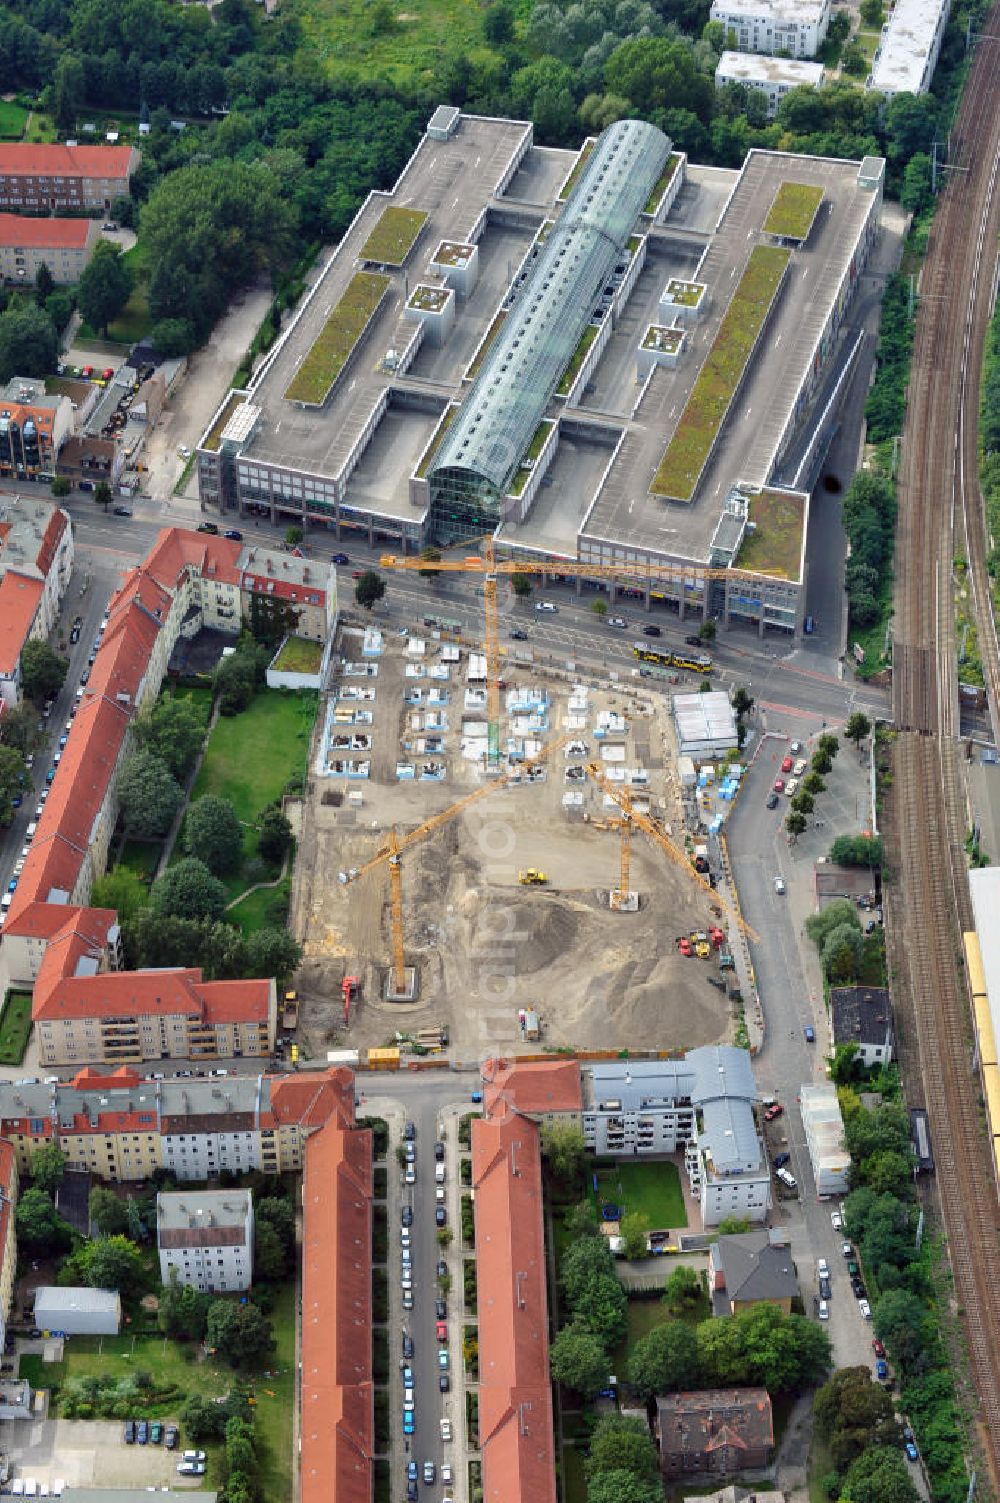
(275, 1402)
(15, 1027)
(407, 44)
(13, 118)
(299, 655)
(141, 856)
(41, 128)
(654, 1189)
(250, 757)
(253, 913)
(574, 1476)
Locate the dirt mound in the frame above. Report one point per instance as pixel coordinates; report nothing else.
(543, 932)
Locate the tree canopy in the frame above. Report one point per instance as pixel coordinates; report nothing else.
(104, 286)
(241, 1334)
(48, 1165)
(666, 1360)
(114, 1263)
(147, 795)
(173, 731)
(188, 890)
(213, 833)
(43, 670)
(579, 1360)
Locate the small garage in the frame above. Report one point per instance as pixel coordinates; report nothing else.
(78, 1310)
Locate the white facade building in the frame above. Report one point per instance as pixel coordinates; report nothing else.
(773, 76)
(908, 50)
(797, 27)
(824, 1129)
(78, 1310)
(205, 1238)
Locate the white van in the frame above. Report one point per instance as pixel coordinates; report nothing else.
(439, 1174)
(787, 1179)
(6, 901)
(29, 833)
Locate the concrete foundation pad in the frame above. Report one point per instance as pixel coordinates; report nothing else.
(627, 903)
(411, 990)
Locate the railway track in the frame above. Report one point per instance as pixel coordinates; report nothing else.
(939, 503)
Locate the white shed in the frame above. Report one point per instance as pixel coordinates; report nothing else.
(78, 1310)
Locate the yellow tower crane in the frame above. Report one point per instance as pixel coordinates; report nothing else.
(491, 569)
(393, 850)
(631, 815)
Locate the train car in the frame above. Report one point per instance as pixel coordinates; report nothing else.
(974, 964)
(920, 1135)
(991, 1085)
(984, 1032)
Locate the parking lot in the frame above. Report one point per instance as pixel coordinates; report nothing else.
(87, 1453)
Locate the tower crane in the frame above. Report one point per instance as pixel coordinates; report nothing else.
(393, 850)
(491, 569)
(632, 816)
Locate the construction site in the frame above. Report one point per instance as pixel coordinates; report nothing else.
(504, 863)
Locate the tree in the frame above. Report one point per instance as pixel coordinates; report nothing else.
(579, 1360)
(622, 1443)
(820, 925)
(29, 344)
(854, 60)
(841, 955)
(821, 762)
(48, 1165)
(121, 889)
(103, 495)
(276, 1211)
(431, 556)
(828, 743)
(293, 536)
(795, 823)
(174, 336)
(857, 728)
(721, 1355)
(620, 1486)
(173, 731)
(105, 286)
(852, 1413)
(43, 672)
(12, 771)
(666, 1360)
(147, 795)
(60, 487)
(188, 890)
(272, 952)
(599, 605)
(202, 1418)
(872, 13)
(707, 630)
(887, 1172)
(369, 588)
(234, 682)
(498, 25)
(857, 850)
(564, 1149)
(239, 1333)
(213, 833)
(656, 71)
(804, 802)
(684, 1288)
(733, 1226)
(183, 1311)
(274, 836)
(107, 1212)
(742, 701)
(904, 1323)
(917, 188)
(40, 1228)
(911, 124)
(268, 1253)
(813, 783)
(634, 1232)
(521, 585)
(600, 1307)
(782, 1352)
(69, 89)
(45, 283)
(846, 1065)
(879, 1476)
(115, 1263)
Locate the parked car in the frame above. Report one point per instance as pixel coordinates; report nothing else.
(865, 1308)
(410, 1177)
(443, 1359)
(171, 1436)
(440, 1215)
(822, 1268)
(778, 785)
(779, 885)
(836, 1220)
(409, 1423)
(882, 1370)
(781, 1159)
(800, 767)
(877, 1347)
(156, 1433)
(651, 631)
(791, 787)
(446, 1428)
(694, 642)
(142, 1432)
(129, 1433)
(786, 765)
(193, 1456)
(233, 534)
(441, 1330)
(810, 1034)
(121, 511)
(430, 1472)
(407, 1346)
(774, 1111)
(440, 1310)
(439, 1151)
(911, 1451)
(191, 1468)
(409, 1132)
(444, 1383)
(772, 800)
(407, 1215)
(824, 1310)
(517, 635)
(411, 1492)
(546, 605)
(825, 1289)
(619, 622)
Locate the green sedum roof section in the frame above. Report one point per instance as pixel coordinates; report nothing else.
(331, 350)
(541, 332)
(792, 211)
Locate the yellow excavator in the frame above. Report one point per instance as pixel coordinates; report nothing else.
(532, 878)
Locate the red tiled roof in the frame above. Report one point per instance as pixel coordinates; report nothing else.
(533, 1086)
(236, 1001)
(291, 590)
(338, 1422)
(91, 1078)
(64, 161)
(515, 1394)
(178, 548)
(19, 597)
(156, 993)
(313, 1097)
(26, 230)
(58, 522)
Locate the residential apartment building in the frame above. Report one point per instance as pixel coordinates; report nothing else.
(128, 1017)
(515, 1389)
(28, 242)
(121, 1126)
(862, 1015)
(46, 178)
(716, 1432)
(795, 27)
(36, 560)
(909, 47)
(772, 76)
(8, 1235)
(205, 1239)
(337, 1444)
(34, 427)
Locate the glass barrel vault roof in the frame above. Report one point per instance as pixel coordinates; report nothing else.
(499, 416)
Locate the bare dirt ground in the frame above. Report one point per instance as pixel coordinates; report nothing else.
(483, 944)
